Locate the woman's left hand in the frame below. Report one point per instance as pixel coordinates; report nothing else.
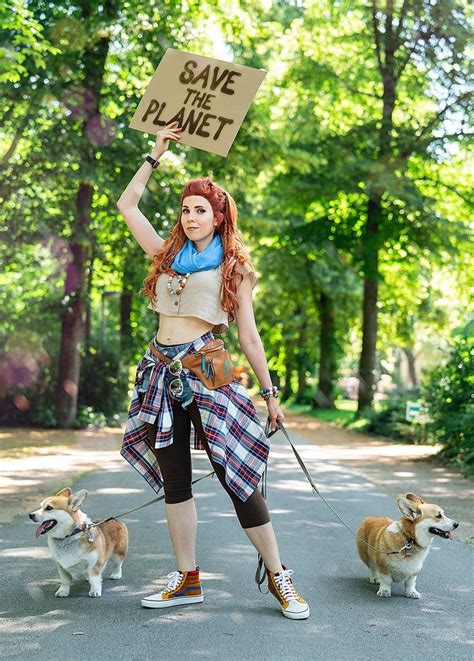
(274, 412)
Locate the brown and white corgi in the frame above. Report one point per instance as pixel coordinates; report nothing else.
(396, 550)
(80, 554)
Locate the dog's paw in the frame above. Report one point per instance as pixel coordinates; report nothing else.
(116, 575)
(95, 593)
(62, 592)
(413, 594)
(374, 580)
(383, 592)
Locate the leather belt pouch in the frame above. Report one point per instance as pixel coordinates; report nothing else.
(212, 364)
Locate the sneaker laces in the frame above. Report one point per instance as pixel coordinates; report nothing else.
(285, 584)
(175, 578)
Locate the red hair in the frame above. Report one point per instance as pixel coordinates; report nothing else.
(225, 213)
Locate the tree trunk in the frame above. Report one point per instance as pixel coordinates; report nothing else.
(126, 297)
(126, 342)
(411, 366)
(289, 363)
(126, 300)
(301, 360)
(274, 376)
(301, 379)
(397, 372)
(72, 327)
(324, 399)
(88, 321)
(385, 46)
(369, 307)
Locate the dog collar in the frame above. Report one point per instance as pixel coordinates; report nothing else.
(409, 546)
(85, 527)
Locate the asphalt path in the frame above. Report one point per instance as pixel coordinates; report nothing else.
(347, 621)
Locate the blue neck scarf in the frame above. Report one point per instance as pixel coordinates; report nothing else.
(189, 260)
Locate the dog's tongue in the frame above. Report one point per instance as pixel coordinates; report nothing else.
(42, 528)
(449, 535)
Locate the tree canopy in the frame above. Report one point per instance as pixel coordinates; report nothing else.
(352, 174)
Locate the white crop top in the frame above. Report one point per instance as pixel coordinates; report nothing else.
(201, 297)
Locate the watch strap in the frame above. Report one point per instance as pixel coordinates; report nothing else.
(154, 163)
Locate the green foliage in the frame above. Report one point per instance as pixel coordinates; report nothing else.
(29, 375)
(388, 418)
(103, 383)
(88, 418)
(449, 393)
(300, 170)
(26, 41)
(43, 416)
(102, 390)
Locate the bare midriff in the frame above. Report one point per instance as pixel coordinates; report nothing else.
(178, 330)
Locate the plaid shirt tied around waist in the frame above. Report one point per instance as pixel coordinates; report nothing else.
(233, 429)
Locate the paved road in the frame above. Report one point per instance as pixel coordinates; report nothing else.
(348, 621)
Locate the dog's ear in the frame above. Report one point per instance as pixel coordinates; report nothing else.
(414, 498)
(408, 508)
(67, 491)
(76, 500)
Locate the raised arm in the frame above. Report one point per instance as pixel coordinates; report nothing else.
(141, 228)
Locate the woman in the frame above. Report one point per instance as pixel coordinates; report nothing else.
(194, 288)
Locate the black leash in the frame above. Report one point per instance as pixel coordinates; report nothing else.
(88, 526)
(260, 574)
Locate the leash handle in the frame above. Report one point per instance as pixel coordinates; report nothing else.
(268, 432)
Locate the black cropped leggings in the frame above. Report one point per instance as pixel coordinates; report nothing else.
(176, 468)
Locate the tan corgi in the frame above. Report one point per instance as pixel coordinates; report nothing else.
(402, 545)
(80, 553)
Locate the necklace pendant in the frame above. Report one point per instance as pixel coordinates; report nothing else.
(182, 279)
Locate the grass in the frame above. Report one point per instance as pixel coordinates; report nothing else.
(344, 415)
(20, 438)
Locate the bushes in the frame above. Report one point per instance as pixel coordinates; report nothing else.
(103, 396)
(88, 418)
(103, 386)
(29, 395)
(390, 417)
(449, 393)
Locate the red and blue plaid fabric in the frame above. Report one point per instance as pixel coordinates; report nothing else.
(233, 429)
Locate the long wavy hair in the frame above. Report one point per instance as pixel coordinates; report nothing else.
(225, 213)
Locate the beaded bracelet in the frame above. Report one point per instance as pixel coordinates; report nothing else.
(266, 393)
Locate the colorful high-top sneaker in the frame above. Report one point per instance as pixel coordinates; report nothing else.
(281, 586)
(183, 588)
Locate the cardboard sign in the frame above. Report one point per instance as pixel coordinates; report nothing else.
(209, 99)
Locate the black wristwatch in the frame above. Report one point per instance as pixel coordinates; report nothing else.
(154, 163)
